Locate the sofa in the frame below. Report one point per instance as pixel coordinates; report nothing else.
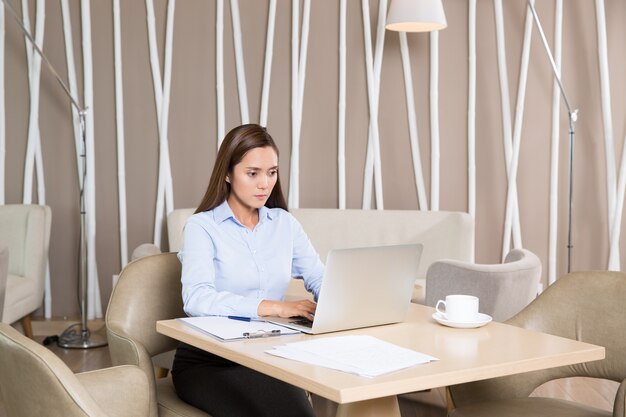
(444, 234)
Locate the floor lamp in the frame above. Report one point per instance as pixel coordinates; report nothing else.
(573, 117)
(71, 337)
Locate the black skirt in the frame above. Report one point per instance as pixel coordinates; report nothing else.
(225, 389)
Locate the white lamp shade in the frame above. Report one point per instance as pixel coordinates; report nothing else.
(416, 16)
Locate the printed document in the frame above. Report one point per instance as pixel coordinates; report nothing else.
(361, 355)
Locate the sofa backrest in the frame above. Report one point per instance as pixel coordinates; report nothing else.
(444, 234)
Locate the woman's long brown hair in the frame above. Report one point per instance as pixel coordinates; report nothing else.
(236, 144)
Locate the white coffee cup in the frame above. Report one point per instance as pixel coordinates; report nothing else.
(459, 308)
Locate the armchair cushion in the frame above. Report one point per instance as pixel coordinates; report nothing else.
(120, 391)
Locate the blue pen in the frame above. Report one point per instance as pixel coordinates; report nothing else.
(240, 318)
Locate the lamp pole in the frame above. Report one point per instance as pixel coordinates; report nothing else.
(573, 117)
(70, 338)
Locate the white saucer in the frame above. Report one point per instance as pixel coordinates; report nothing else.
(481, 320)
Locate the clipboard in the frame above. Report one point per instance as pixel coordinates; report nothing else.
(226, 329)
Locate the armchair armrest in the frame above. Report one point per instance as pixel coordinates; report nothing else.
(121, 391)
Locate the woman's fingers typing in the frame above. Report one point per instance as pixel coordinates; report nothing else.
(300, 308)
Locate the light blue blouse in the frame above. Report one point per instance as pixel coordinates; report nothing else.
(229, 269)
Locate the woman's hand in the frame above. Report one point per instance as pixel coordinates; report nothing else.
(300, 308)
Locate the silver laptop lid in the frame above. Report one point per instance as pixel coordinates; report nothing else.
(365, 287)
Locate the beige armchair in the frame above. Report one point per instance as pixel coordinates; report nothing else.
(25, 230)
(148, 289)
(35, 382)
(503, 289)
(586, 306)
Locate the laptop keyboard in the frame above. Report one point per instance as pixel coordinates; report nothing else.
(302, 322)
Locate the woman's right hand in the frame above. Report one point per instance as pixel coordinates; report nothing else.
(298, 308)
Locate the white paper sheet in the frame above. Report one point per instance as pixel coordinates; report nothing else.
(360, 355)
(227, 329)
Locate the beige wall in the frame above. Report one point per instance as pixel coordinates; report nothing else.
(192, 126)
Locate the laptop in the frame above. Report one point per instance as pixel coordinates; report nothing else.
(362, 287)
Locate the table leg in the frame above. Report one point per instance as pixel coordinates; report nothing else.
(386, 406)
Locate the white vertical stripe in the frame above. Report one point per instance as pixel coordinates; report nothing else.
(28, 162)
(517, 135)
(504, 95)
(295, 144)
(41, 184)
(39, 29)
(219, 70)
(434, 121)
(304, 49)
(372, 159)
(504, 88)
(554, 148)
(607, 117)
(94, 302)
(413, 133)
(158, 98)
(267, 70)
(506, 109)
(119, 124)
(341, 134)
(33, 147)
(300, 60)
(471, 111)
(33, 161)
(162, 96)
(73, 86)
(614, 255)
(369, 62)
(378, 62)
(167, 82)
(39, 25)
(240, 64)
(155, 65)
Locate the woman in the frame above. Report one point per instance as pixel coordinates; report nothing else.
(240, 250)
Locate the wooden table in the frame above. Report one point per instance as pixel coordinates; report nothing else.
(465, 355)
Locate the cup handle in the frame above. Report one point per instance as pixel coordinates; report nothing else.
(437, 308)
